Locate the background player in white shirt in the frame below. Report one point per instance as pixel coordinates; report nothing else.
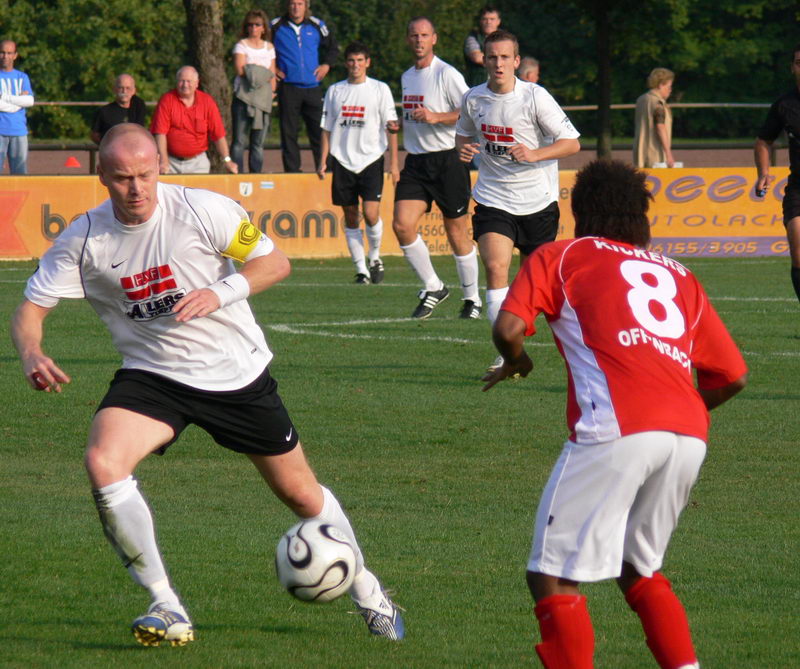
(521, 132)
(432, 92)
(357, 115)
(631, 326)
(154, 262)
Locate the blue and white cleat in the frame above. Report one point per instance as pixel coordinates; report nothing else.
(384, 619)
(161, 623)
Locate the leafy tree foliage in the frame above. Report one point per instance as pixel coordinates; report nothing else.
(726, 51)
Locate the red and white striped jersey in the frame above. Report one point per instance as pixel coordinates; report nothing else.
(133, 275)
(630, 325)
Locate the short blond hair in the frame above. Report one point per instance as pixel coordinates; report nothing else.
(659, 76)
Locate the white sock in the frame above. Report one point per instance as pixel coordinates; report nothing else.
(419, 258)
(467, 267)
(374, 238)
(494, 300)
(128, 526)
(355, 244)
(365, 584)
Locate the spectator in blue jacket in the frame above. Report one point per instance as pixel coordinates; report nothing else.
(305, 50)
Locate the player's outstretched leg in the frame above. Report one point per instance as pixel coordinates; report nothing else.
(292, 480)
(128, 526)
(664, 622)
(381, 614)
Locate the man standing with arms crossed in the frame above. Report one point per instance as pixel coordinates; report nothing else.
(16, 95)
(357, 115)
(784, 115)
(432, 92)
(633, 327)
(521, 132)
(155, 262)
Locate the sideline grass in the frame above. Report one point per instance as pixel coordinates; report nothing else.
(440, 480)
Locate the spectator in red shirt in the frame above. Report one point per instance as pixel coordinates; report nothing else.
(184, 120)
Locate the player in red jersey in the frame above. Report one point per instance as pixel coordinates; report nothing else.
(631, 325)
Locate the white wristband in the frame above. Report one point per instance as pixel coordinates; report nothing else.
(232, 288)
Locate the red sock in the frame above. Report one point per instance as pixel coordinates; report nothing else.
(567, 633)
(664, 621)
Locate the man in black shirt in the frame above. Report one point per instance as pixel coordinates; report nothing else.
(126, 108)
(784, 115)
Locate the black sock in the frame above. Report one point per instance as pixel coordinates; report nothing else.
(796, 281)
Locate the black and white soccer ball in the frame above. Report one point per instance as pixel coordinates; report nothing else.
(315, 561)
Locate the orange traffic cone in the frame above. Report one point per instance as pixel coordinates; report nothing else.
(72, 161)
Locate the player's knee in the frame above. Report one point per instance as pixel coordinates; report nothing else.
(102, 466)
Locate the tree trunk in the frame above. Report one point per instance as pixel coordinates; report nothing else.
(603, 34)
(204, 20)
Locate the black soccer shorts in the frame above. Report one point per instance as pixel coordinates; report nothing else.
(438, 177)
(249, 420)
(528, 232)
(348, 186)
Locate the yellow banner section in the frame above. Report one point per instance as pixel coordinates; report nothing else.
(704, 212)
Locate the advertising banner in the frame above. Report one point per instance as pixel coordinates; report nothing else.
(696, 212)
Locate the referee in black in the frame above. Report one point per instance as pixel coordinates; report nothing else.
(784, 115)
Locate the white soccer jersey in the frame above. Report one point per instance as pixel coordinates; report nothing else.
(438, 87)
(133, 275)
(528, 115)
(356, 116)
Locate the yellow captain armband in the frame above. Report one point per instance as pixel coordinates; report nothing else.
(244, 241)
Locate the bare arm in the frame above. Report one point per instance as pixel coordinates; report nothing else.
(661, 131)
(394, 164)
(476, 57)
(423, 115)
(239, 61)
(761, 156)
(222, 147)
(561, 148)
(163, 156)
(467, 148)
(324, 150)
(260, 273)
(27, 332)
(713, 398)
(508, 335)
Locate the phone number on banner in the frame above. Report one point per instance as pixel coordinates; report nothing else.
(720, 246)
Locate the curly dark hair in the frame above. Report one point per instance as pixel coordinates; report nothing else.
(610, 199)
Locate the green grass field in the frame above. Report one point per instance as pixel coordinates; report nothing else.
(440, 480)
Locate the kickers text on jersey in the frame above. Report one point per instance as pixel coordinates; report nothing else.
(151, 293)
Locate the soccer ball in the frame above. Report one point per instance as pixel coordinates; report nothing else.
(315, 561)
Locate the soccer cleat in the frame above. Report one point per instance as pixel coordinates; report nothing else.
(385, 619)
(428, 299)
(362, 279)
(163, 624)
(497, 364)
(376, 271)
(470, 310)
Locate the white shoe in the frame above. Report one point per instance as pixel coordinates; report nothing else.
(163, 622)
(497, 364)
